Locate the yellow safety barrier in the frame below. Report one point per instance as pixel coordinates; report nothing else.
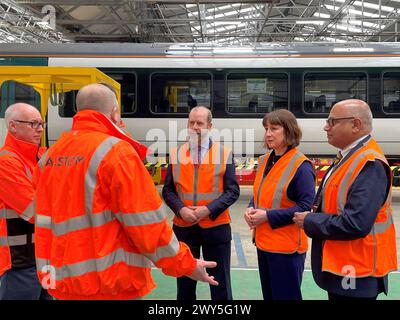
(48, 81)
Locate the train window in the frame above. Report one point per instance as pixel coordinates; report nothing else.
(128, 95)
(179, 92)
(128, 90)
(391, 92)
(256, 92)
(323, 89)
(13, 92)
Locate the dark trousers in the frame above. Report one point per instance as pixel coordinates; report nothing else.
(337, 297)
(281, 275)
(22, 284)
(194, 237)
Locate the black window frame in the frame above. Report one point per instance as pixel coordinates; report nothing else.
(185, 72)
(254, 72)
(329, 72)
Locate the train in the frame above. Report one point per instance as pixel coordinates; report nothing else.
(161, 82)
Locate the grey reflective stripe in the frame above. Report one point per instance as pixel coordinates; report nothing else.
(43, 159)
(97, 265)
(33, 238)
(170, 250)
(6, 152)
(29, 212)
(379, 227)
(12, 214)
(142, 218)
(9, 214)
(14, 240)
(200, 196)
(91, 174)
(204, 196)
(81, 222)
(278, 193)
(43, 221)
(100, 219)
(344, 183)
(261, 161)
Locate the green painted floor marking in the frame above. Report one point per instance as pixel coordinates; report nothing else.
(246, 286)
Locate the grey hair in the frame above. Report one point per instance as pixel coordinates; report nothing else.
(13, 111)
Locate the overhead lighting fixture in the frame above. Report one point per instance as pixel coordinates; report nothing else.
(353, 49)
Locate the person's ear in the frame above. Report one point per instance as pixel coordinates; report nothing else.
(11, 127)
(357, 125)
(115, 117)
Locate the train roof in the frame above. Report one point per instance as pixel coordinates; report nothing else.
(200, 49)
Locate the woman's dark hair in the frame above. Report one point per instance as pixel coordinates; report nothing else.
(288, 121)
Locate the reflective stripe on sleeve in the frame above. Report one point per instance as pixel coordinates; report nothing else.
(97, 265)
(168, 251)
(14, 240)
(142, 218)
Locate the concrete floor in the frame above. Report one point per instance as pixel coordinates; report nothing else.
(244, 274)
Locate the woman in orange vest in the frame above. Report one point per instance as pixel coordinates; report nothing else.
(284, 184)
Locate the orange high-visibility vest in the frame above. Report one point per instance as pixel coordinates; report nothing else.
(375, 254)
(270, 192)
(198, 185)
(100, 221)
(17, 208)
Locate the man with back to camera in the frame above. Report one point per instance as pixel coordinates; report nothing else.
(354, 240)
(18, 158)
(100, 220)
(200, 186)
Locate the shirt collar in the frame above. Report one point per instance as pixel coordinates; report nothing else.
(346, 150)
(205, 143)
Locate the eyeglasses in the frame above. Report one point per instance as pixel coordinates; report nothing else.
(332, 121)
(34, 124)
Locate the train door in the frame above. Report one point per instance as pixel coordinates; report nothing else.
(13, 92)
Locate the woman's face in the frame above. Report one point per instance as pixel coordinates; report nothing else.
(275, 136)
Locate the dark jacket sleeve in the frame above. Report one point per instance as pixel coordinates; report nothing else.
(365, 197)
(301, 190)
(170, 195)
(230, 193)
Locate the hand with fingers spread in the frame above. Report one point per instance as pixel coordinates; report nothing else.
(200, 273)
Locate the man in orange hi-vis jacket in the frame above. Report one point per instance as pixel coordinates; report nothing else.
(18, 158)
(100, 220)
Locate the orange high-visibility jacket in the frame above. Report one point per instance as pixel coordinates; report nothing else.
(17, 160)
(198, 185)
(375, 254)
(270, 192)
(100, 221)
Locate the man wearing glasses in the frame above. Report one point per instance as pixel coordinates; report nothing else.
(351, 224)
(18, 157)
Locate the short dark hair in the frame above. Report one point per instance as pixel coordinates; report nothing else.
(288, 121)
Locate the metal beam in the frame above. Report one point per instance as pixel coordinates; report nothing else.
(115, 2)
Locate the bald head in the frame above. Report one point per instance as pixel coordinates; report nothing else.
(96, 97)
(20, 111)
(358, 109)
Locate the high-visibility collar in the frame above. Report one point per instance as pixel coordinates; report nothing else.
(28, 151)
(91, 120)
